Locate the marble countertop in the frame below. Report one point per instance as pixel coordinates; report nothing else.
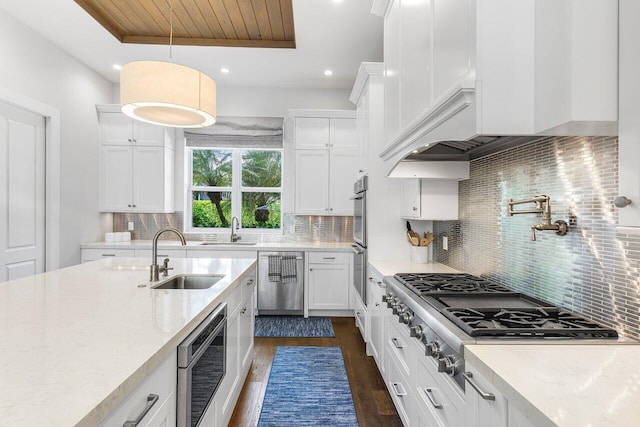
(65, 333)
(565, 385)
(389, 268)
(198, 245)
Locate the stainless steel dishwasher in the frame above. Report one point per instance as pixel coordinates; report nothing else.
(281, 283)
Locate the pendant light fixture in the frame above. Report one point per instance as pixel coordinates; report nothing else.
(167, 94)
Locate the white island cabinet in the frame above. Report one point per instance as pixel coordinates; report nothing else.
(105, 343)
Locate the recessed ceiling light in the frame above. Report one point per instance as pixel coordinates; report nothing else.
(426, 145)
(337, 1)
(328, 72)
(224, 70)
(117, 67)
(415, 151)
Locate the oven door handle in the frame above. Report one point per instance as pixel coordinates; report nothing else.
(357, 249)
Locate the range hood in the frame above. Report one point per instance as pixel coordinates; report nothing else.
(471, 149)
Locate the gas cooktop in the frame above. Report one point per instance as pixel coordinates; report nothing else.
(482, 308)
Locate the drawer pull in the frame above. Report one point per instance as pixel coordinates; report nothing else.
(151, 400)
(397, 343)
(328, 257)
(429, 393)
(250, 282)
(380, 284)
(468, 376)
(108, 254)
(397, 391)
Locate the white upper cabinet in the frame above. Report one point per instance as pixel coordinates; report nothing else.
(456, 69)
(326, 161)
(629, 148)
(368, 96)
(136, 164)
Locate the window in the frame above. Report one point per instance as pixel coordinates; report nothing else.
(241, 182)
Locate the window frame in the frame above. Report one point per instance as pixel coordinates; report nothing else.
(236, 189)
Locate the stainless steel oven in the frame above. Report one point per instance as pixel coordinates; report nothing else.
(201, 367)
(360, 237)
(360, 211)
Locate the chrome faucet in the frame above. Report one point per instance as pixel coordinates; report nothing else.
(164, 269)
(543, 206)
(234, 236)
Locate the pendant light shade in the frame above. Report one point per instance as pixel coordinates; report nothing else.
(167, 94)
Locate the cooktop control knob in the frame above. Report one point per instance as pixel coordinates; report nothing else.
(416, 332)
(406, 317)
(399, 309)
(391, 301)
(432, 349)
(447, 365)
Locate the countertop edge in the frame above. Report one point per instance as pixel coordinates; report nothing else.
(118, 395)
(198, 246)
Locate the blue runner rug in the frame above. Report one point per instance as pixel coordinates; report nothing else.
(308, 386)
(293, 326)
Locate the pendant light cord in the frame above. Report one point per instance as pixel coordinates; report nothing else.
(171, 30)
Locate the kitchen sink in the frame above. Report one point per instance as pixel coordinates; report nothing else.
(228, 243)
(190, 281)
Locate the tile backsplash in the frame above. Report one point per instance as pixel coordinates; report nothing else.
(296, 228)
(593, 270)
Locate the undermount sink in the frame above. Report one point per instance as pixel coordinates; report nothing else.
(228, 243)
(190, 281)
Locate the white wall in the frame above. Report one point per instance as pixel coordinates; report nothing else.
(34, 67)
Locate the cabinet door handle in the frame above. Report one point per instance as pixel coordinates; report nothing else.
(429, 393)
(415, 208)
(134, 206)
(397, 343)
(398, 392)
(129, 206)
(249, 282)
(130, 140)
(108, 254)
(151, 400)
(468, 376)
(244, 310)
(331, 209)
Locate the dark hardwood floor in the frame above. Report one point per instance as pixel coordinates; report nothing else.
(372, 401)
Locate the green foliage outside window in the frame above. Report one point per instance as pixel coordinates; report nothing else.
(260, 169)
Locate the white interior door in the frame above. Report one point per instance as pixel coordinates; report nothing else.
(22, 193)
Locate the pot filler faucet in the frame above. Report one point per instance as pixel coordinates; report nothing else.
(543, 206)
(164, 269)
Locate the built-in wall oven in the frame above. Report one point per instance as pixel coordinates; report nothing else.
(201, 367)
(360, 237)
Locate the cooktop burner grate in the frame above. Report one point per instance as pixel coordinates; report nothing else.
(539, 322)
(440, 284)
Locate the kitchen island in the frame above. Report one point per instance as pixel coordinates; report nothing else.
(77, 341)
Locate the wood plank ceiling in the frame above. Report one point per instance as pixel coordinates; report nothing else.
(233, 23)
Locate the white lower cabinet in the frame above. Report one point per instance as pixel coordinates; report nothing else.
(375, 310)
(329, 280)
(87, 255)
(438, 396)
(487, 407)
(240, 324)
(360, 317)
(157, 391)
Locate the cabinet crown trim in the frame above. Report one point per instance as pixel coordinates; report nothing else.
(340, 114)
(365, 72)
